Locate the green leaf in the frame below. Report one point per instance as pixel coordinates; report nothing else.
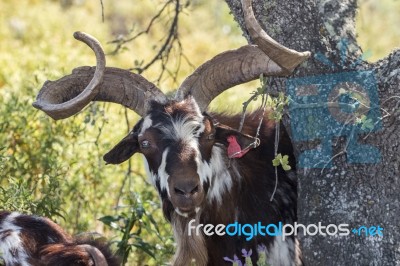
(277, 160)
(281, 160)
(111, 221)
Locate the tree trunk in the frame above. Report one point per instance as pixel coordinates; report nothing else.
(353, 183)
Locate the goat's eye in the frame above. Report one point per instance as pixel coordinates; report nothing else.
(145, 144)
(210, 137)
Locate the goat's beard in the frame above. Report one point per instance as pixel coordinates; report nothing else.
(190, 248)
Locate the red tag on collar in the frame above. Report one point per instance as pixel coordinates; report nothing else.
(234, 149)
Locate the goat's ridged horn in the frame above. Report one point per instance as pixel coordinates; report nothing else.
(95, 253)
(69, 95)
(242, 65)
(225, 71)
(55, 97)
(287, 58)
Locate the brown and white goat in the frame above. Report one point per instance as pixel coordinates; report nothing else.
(27, 240)
(197, 160)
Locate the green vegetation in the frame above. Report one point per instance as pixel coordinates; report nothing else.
(378, 27)
(55, 168)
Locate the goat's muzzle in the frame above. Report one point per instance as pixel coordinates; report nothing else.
(186, 195)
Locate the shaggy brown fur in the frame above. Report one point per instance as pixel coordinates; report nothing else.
(190, 249)
(38, 241)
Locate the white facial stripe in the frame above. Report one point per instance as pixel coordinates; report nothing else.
(162, 173)
(151, 176)
(147, 123)
(221, 180)
(203, 170)
(12, 242)
(221, 184)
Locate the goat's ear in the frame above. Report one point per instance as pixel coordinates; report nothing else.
(123, 150)
(237, 143)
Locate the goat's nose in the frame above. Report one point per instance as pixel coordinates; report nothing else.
(187, 188)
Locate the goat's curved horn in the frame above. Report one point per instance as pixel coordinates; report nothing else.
(95, 253)
(286, 58)
(239, 66)
(58, 104)
(69, 95)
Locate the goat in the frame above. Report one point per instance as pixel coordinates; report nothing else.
(31, 240)
(201, 166)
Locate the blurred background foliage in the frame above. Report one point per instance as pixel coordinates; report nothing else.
(55, 168)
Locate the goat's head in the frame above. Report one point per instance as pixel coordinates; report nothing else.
(177, 140)
(175, 135)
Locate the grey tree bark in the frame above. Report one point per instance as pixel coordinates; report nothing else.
(355, 194)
